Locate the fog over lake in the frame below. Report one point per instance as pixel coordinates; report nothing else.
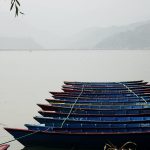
(26, 77)
(76, 24)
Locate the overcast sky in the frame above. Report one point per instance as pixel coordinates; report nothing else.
(71, 16)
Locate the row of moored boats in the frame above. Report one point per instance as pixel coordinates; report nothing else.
(88, 114)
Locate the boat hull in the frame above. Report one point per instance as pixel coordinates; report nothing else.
(57, 120)
(108, 128)
(92, 111)
(100, 102)
(79, 140)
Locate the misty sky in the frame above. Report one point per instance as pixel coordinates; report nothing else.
(70, 16)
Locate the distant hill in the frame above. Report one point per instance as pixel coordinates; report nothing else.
(15, 31)
(135, 38)
(15, 34)
(88, 38)
(13, 43)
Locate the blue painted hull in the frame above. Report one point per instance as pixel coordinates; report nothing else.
(104, 99)
(94, 111)
(56, 114)
(112, 120)
(105, 83)
(108, 95)
(137, 127)
(107, 90)
(101, 102)
(104, 107)
(113, 88)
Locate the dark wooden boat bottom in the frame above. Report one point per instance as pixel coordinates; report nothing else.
(80, 140)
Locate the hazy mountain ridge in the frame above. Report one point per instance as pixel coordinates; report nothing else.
(14, 31)
(88, 38)
(133, 38)
(24, 36)
(115, 37)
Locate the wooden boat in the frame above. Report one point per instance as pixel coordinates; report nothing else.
(89, 125)
(105, 91)
(103, 107)
(105, 83)
(104, 120)
(92, 111)
(61, 114)
(109, 128)
(4, 147)
(98, 102)
(100, 94)
(112, 88)
(54, 107)
(101, 101)
(92, 140)
(135, 81)
(114, 99)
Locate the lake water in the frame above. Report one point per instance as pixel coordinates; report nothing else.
(26, 78)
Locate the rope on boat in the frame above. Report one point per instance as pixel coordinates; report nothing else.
(26, 135)
(133, 92)
(21, 137)
(73, 106)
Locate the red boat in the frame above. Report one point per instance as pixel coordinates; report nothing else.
(4, 147)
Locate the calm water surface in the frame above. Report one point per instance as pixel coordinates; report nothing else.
(27, 77)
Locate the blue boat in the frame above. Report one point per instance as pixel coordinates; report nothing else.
(102, 95)
(105, 92)
(102, 120)
(88, 114)
(90, 128)
(136, 101)
(106, 83)
(94, 110)
(76, 114)
(112, 88)
(102, 107)
(104, 99)
(99, 102)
